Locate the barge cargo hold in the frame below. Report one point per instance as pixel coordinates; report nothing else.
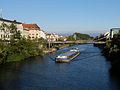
(67, 56)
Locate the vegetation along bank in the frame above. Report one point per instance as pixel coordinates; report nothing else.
(18, 47)
(112, 52)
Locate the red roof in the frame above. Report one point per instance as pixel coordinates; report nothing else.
(31, 26)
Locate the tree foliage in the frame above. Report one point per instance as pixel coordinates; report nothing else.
(79, 36)
(112, 51)
(22, 49)
(3, 52)
(19, 48)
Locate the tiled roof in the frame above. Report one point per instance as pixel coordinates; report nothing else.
(31, 26)
(5, 20)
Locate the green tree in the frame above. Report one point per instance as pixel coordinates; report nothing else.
(5, 29)
(79, 36)
(42, 43)
(19, 48)
(15, 34)
(3, 53)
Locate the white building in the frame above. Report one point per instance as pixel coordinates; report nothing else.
(5, 33)
(33, 31)
(107, 35)
(52, 37)
(114, 31)
(62, 38)
(42, 34)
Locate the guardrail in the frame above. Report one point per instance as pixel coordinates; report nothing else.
(78, 42)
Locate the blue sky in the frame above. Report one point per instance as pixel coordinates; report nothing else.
(65, 16)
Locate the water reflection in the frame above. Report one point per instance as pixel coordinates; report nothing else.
(62, 66)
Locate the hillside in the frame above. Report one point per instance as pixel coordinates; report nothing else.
(79, 36)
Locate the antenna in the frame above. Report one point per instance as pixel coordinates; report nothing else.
(0, 13)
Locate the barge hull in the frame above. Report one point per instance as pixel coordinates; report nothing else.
(68, 59)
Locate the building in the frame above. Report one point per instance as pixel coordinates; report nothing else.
(25, 33)
(62, 38)
(52, 37)
(33, 31)
(106, 35)
(56, 36)
(42, 34)
(114, 31)
(5, 32)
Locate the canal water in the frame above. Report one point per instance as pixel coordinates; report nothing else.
(89, 71)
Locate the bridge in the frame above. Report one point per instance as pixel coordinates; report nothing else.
(78, 42)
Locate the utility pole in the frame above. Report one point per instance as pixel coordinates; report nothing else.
(0, 13)
(49, 42)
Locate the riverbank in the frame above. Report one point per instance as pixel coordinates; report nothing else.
(22, 55)
(20, 49)
(54, 49)
(112, 53)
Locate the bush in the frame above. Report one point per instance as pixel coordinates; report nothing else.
(22, 49)
(112, 51)
(3, 52)
(18, 50)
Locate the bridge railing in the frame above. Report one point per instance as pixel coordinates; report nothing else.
(78, 42)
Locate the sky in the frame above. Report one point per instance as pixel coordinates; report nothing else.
(65, 16)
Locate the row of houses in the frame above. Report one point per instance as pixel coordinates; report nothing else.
(31, 31)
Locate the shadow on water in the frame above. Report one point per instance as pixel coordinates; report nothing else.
(115, 77)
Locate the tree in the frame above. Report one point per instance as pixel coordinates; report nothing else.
(79, 36)
(42, 43)
(13, 28)
(15, 34)
(3, 53)
(5, 28)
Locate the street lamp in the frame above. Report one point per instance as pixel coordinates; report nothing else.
(49, 42)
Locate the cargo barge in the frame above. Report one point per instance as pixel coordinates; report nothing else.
(67, 56)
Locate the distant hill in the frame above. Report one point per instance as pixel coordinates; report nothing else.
(79, 36)
(68, 34)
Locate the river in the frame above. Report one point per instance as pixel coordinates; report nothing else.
(89, 71)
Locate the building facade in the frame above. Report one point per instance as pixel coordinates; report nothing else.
(52, 37)
(33, 31)
(4, 28)
(42, 34)
(106, 35)
(114, 31)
